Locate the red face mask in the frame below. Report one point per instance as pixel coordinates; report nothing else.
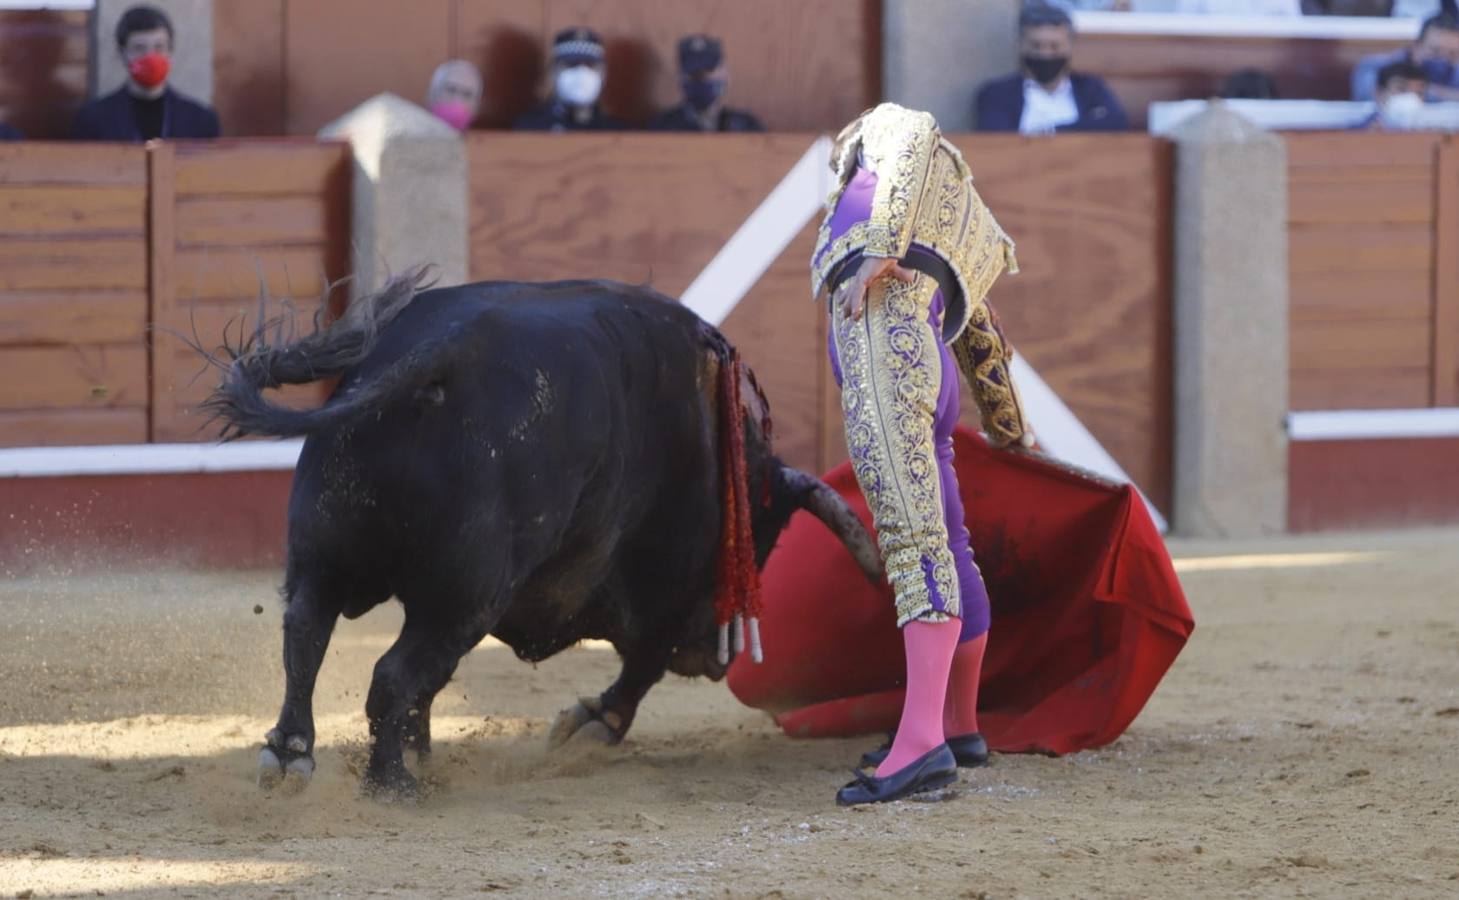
(149, 70)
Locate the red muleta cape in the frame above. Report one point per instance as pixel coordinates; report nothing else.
(1087, 613)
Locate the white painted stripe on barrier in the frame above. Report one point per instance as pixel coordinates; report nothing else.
(1063, 436)
(752, 249)
(148, 459)
(1361, 28)
(1373, 424)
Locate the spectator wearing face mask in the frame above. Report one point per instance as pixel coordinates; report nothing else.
(455, 93)
(578, 68)
(146, 107)
(703, 77)
(1400, 94)
(1047, 95)
(1436, 51)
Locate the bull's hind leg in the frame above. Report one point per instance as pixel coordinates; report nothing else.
(417, 666)
(288, 752)
(607, 717)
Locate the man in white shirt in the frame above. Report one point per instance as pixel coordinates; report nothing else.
(1047, 95)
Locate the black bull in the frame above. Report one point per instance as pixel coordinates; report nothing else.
(538, 462)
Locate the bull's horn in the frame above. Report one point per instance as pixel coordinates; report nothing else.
(825, 504)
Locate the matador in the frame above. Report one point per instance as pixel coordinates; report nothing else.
(905, 258)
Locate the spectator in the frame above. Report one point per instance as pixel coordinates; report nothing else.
(455, 93)
(1400, 94)
(1047, 96)
(1249, 84)
(578, 69)
(9, 134)
(146, 107)
(1436, 50)
(703, 77)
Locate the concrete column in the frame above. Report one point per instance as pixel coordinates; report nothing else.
(937, 53)
(192, 43)
(1230, 327)
(409, 194)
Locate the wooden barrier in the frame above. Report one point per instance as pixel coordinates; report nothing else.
(111, 255)
(1091, 310)
(224, 216)
(1374, 252)
(73, 294)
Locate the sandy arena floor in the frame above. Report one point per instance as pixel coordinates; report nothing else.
(1304, 745)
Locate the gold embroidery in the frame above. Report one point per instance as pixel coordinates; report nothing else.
(925, 193)
(892, 372)
(983, 354)
(899, 145)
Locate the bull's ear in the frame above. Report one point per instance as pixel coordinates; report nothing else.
(820, 500)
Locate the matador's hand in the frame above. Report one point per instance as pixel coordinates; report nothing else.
(851, 295)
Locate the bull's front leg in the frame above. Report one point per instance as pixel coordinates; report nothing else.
(288, 753)
(607, 717)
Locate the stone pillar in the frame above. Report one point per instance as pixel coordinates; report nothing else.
(1230, 327)
(409, 193)
(192, 45)
(937, 53)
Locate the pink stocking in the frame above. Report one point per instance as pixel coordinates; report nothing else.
(930, 647)
(960, 716)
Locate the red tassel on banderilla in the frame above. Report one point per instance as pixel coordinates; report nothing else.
(738, 601)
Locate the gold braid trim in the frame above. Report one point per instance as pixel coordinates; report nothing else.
(984, 354)
(946, 215)
(892, 367)
(898, 144)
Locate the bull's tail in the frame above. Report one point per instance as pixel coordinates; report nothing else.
(259, 363)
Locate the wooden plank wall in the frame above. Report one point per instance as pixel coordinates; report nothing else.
(1143, 69)
(224, 216)
(1091, 310)
(73, 294)
(270, 77)
(43, 69)
(1365, 267)
(1446, 274)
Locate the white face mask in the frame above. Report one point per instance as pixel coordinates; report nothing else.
(579, 85)
(1400, 110)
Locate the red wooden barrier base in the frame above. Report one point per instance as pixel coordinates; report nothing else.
(212, 520)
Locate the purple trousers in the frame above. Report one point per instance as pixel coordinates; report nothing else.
(972, 592)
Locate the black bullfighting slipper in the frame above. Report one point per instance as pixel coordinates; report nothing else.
(970, 750)
(934, 769)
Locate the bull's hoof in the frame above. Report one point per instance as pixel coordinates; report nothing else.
(396, 786)
(585, 720)
(285, 762)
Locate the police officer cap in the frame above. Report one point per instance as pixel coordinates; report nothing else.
(699, 53)
(576, 46)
